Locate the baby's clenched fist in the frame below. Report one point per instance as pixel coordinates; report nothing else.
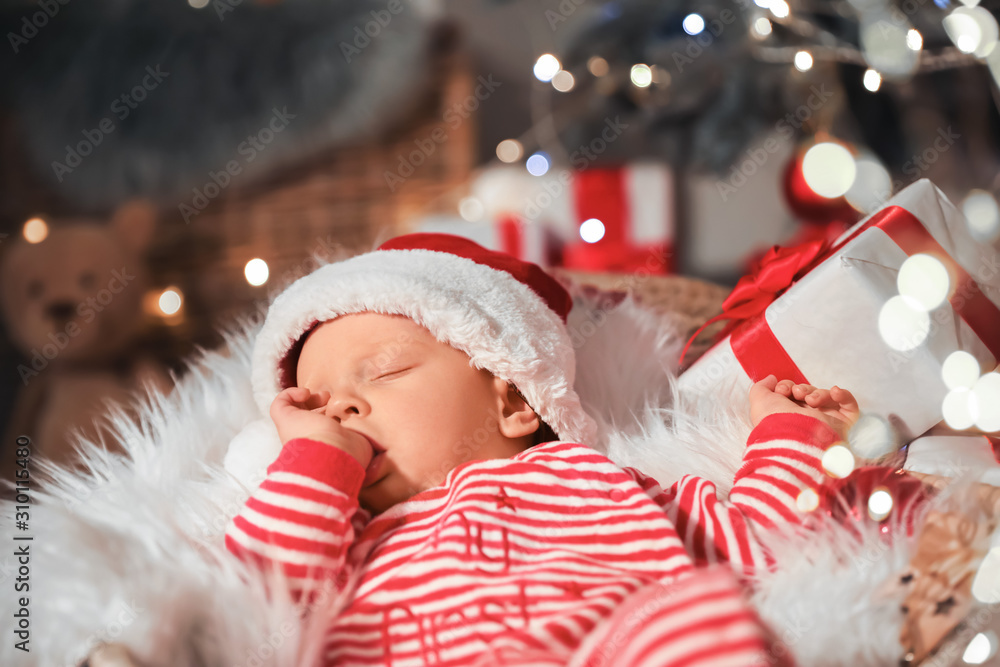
(299, 413)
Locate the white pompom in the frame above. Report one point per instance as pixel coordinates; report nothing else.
(873, 437)
(252, 451)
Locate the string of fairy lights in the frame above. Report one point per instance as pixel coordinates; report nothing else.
(890, 48)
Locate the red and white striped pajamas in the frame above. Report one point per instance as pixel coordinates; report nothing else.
(553, 557)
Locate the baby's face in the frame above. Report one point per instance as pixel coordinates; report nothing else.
(416, 399)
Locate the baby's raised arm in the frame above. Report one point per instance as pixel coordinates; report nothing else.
(301, 520)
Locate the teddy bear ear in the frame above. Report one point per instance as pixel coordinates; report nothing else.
(135, 222)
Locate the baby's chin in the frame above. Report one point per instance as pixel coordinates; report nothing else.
(386, 494)
(376, 499)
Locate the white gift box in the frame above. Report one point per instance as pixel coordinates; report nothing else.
(828, 321)
(529, 241)
(954, 456)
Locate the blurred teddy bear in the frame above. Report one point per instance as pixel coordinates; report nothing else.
(72, 304)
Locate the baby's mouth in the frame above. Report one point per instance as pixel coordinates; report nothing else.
(374, 470)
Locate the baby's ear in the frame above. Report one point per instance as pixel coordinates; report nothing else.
(517, 419)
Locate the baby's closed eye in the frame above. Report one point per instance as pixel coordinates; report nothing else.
(388, 374)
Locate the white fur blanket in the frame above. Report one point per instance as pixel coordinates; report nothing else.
(132, 550)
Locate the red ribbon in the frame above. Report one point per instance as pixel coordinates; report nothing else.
(770, 277)
(755, 345)
(511, 237)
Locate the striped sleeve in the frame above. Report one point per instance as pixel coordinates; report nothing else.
(782, 459)
(299, 521)
(699, 620)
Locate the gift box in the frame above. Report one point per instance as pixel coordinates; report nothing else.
(831, 314)
(507, 233)
(633, 203)
(955, 456)
(635, 207)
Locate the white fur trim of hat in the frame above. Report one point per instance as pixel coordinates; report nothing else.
(502, 323)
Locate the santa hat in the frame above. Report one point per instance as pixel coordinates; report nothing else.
(508, 315)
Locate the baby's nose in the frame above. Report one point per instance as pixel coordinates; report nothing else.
(341, 408)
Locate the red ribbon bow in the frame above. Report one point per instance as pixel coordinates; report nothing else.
(769, 278)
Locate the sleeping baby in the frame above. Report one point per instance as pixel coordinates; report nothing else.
(436, 473)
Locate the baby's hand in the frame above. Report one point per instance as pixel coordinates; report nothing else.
(298, 413)
(837, 407)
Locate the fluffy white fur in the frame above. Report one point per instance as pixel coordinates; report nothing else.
(131, 550)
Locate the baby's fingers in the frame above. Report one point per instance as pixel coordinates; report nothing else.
(297, 398)
(784, 388)
(818, 398)
(292, 395)
(846, 399)
(800, 391)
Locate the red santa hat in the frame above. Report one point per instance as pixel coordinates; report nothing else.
(508, 315)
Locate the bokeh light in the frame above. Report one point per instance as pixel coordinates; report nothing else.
(959, 409)
(972, 29)
(779, 8)
(987, 400)
(546, 67)
(803, 61)
(693, 24)
(807, 500)
(256, 272)
(510, 150)
(829, 169)
(762, 27)
(981, 648)
(914, 40)
(879, 504)
(538, 164)
(872, 80)
(170, 301)
(872, 184)
(960, 370)
(35, 230)
(924, 279)
(471, 209)
(873, 437)
(592, 230)
(986, 583)
(641, 75)
(563, 81)
(983, 214)
(903, 323)
(838, 461)
(598, 66)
